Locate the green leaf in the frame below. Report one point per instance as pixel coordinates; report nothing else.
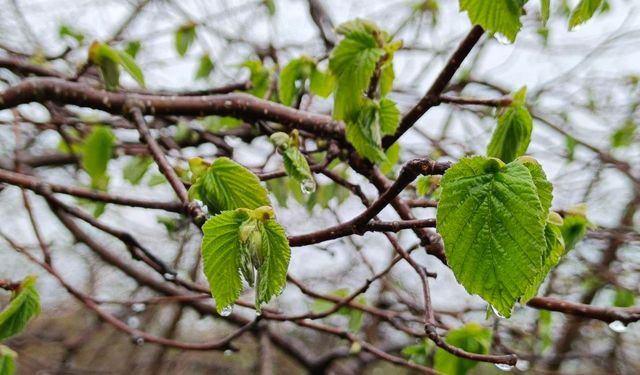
(296, 165)
(238, 243)
(97, 150)
(573, 229)
(554, 251)
(322, 84)
(423, 185)
(217, 123)
(492, 223)
(68, 31)
(132, 48)
(205, 67)
(496, 16)
(7, 361)
(419, 353)
(387, 76)
(624, 298)
(512, 135)
(108, 60)
(24, 305)
(545, 6)
(279, 188)
(624, 135)
(583, 12)
(393, 156)
(365, 134)
(270, 5)
(184, 38)
(131, 67)
(136, 168)
(260, 77)
(227, 185)
(389, 116)
(292, 79)
(353, 62)
(221, 257)
(543, 186)
(156, 179)
(472, 338)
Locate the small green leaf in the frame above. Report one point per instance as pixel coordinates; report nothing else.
(68, 31)
(216, 123)
(423, 185)
(624, 135)
(624, 298)
(296, 165)
(24, 305)
(272, 274)
(205, 67)
(7, 361)
(545, 6)
(260, 77)
(472, 338)
(156, 179)
(292, 79)
(393, 156)
(109, 60)
(322, 84)
(97, 150)
(136, 168)
(583, 12)
(419, 353)
(132, 48)
(387, 76)
(365, 134)
(513, 133)
(270, 5)
(496, 16)
(184, 38)
(573, 229)
(389, 116)
(492, 223)
(130, 65)
(227, 185)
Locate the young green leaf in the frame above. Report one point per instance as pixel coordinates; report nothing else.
(365, 134)
(492, 223)
(24, 305)
(109, 60)
(583, 12)
(226, 185)
(321, 84)
(393, 156)
(512, 135)
(205, 67)
(497, 16)
(472, 338)
(389, 116)
(292, 79)
(624, 135)
(387, 76)
(260, 77)
(545, 6)
(297, 166)
(184, 38)
(554, 250)
(67, 31)
(136, 168)
(217, 123)
(241, 242)
(97, 150)
(573, 228)
(132, 48)
(131, 67)
(7, 361)
(624, 298)
(419, 353)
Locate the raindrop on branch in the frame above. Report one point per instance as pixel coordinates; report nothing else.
(133, 322)
(617, 326)
(138, 307)
(504, 367)
(308, 186)
(169, 276)
(228, 352)
(523, 365)
(137, 340)
(227, 310)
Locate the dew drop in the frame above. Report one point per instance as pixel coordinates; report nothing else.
(227, 103)
(617, 326)
(502, 39)
(496, 313)
(169, 276)
(308, 186)
(227, 310)
(133, 322)
(523, 365)
(138, 307)
(258, 312)
(504, 367)
(228, 352)
(137, 340)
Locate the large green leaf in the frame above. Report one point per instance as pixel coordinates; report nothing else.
(495, 16)
(7, 361)
(492, 223)
(583, 12)
(512, 135)
(353, 62)
(24, 305)
(239, 243)
(227, 185)
(221, 257)
(472, 338)
(554, 250)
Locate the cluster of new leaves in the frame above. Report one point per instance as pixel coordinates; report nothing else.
(295, 164)
(503, 17)
(24, 305)
(363, 66)
(243, 238)
(500, 237)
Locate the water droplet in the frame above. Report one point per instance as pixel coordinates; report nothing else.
(502, 39)
(138, 307)
(617, 326)
(258, 312)
(577, 27)
(504, 367)
(496, 312)
(133, 322)
(523, 365)
(137, 340)
(228, 352)
(227, 103)
(227, 310)
(308, 186)
(169, 276)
